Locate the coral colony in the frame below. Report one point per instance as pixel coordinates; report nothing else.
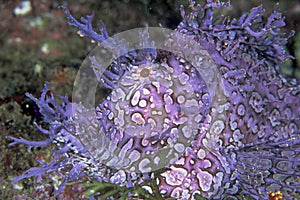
(160, 122)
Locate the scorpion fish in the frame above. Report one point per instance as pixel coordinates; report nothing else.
(223, 125)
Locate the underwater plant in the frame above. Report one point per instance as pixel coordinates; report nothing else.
(206, 113)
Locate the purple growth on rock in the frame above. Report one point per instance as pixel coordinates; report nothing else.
(247, 138)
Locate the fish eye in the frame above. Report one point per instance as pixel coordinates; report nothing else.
(145, 72)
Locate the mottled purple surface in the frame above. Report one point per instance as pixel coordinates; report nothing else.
(250, 141)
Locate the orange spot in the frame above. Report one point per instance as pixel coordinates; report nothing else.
(275, 195)
(41, 156)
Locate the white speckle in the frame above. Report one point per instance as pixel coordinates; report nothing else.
(143, 103)
(255, 129)
(206, 163)
(146, 91)
(179, 147)
(80, 33)
(138, 118)
(145, 142)
(205, 180)
(36, 22)
(168, 99)
(154, 112)
(151, 100)
(166, 120)
(192, 162)
(180, 99)
(157, 85)
(163, 191)
(237, 135)
(120, 119)
(142, 165)
(191, 103)
(45, 49)
(117, 94)
(198, 118)
(175, 176)
(181, 60)
(183, 78)
(218, 179)
(241, 110)
(201, 154)
(18, 186)
(110, 116)
(233, 125)
(257, 102)
(134, 156)
(119, 177)
(181, 161)
(126, 147)
(156, 160)
(25, 8)
(135, 99)
(149, 189)
(186, 130)
(38, 69)
(217, 127)
(152, 122)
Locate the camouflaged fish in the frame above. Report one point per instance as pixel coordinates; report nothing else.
(164, 112)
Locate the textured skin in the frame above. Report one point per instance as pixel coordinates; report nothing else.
(155, 109)
(259, 136)
(243, 134)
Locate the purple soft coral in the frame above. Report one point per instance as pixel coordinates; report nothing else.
(243, 134)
